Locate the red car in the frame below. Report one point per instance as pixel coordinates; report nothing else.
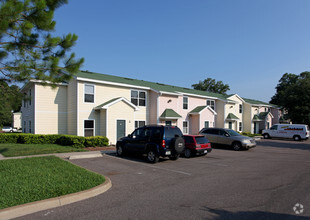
(196, 144)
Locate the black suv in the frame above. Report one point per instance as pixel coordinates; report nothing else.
(154, 141)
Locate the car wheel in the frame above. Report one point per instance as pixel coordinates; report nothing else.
(266, 136)
(296, 138)
(237, 146)
(119, 150)
(178, 145)
(174, 156)
(152, 156)
(187, 153)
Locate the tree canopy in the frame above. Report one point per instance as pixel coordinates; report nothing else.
(293, 94)
(211, 85)
(11, 100)
(27, 48)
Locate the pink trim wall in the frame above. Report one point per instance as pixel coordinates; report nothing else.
(176, 103)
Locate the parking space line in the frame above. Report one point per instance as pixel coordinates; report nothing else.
(151, 166)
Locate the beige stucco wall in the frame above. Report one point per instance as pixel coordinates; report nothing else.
(72, 106)
(195, 126)
(153, 107)
(220, 106)
(103, 94)
(234, 108)
(17, 120)
(119, 111)
(51, 110)
(248, 115)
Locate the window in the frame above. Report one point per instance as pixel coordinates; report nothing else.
(274, 127)
(29, 96)
(240, 126)
(24, 126)
(189, 139)
(230, 125)
(240, 109)
(206, 124)
(185, 127)
(29, 126)
(168, 123)
(185, 102)
(138, 97)
(89, 91)
(88, 128)
(211, 103)
(139, 124)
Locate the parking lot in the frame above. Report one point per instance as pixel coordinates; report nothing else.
(265, 182)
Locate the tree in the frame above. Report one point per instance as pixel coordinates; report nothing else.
(211, 85)
(293, 94)
(10, 99)
(27, 48)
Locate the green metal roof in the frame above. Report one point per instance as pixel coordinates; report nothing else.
(255, 102)
(256, 118)
(155, 86)
(170, 113)
(262, 115)
(198, 109)
(231, 116)
(106, 103)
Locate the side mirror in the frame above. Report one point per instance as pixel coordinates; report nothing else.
(227, 135)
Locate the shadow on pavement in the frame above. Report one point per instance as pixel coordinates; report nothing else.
(253, 215)
(303, 145)
(136, 157)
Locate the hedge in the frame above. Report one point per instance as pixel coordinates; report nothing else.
(65, 140)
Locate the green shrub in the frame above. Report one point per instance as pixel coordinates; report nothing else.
(9, 138)
(65, 140)
(71, 140)
(99, 141)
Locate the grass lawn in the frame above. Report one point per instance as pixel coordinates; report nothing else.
(32, 179)
(15, 150)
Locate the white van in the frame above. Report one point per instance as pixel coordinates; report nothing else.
(296, 131)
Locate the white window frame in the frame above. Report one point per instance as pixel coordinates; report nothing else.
(94, 128)
(138, 122)
(240, 126)
(208, 124)
(185, 97)
(185, 129)
(211, 101)
(84, 93)
(138, 99)
(240, 108)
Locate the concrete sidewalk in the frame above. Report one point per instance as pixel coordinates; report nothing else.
(69, 155)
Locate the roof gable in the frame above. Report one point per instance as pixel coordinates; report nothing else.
(170, 114)
(111, 102)
(200, 109)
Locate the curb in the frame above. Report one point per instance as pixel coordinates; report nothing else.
(32, 207)
(85, 156)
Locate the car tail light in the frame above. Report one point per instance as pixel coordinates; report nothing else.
(163, 143)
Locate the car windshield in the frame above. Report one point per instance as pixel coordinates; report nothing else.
(233, 133)
(201, 140)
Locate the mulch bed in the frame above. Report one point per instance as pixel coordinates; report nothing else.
(100, 148)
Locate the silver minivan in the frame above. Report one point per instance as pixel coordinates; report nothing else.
(229, 137)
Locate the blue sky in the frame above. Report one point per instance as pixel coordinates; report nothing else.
(248, 44)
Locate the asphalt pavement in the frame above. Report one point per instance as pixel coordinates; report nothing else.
(271, 181)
